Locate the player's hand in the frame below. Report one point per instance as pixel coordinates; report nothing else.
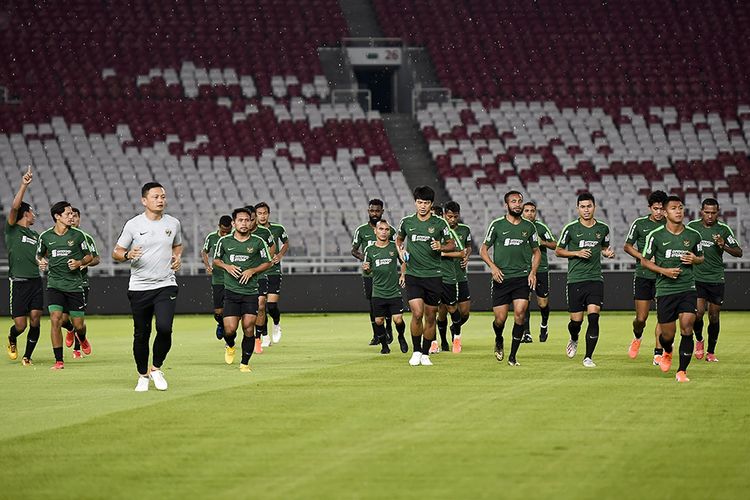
(235, 271)
(608, 252)
(497, 274)
(532, 281)
(402, 280)
(366, 267)
(246, 276)
(672, 272)
(584, 253)
(435, 245)
(688, 258)
(209, 271)
(134, 253)
(42, 263)
(276, 259)
(465, 260)
(176, 263)
(719, 241)
(27, 177)
(73, 264)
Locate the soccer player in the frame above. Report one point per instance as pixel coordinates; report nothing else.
(281, 240)
(583, 242)
(675, 249)
(217, 275)
(514, 263)
(644, 281)
(426, 236)
(261, 330)
(243, 256)
(26, 295)
(152, 242)
(717, 238)
(63, 250)
(456, 297)
(71, 339)
(546, 241)
(383, 264)
(364, 236)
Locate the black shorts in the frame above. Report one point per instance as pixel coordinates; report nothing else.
(26, 296)
(367, 283)
(217, 292)
(509, 290)
(86, 290)
(449, 295)
(463, 291)
(644, 288)
(237, 305)
(542, 285)
(712, 292)
(263, 286)
(274, 284)
(669, 307)
(73, 303)
(581, 295)
(427, 289)
(384, 308)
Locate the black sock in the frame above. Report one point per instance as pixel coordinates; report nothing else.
(426, 346)
(498, 333)
(76, 344)
(219, 320)
(58, 353)
(272, 308)
(372, 321)
(666, 344)
(517, 334)
(456, 317)
(638, 327)
(389, 325)
(31, 341)
(260, 330)
(416, 343)
(67, 325)
(248, 344)
(81, 334)
(713, 336)
(574, 328)
(230, 339)
(401, 328)
(698, 329)
(380, 334)
(545, 315)
(14, 333)
(442, 326)
(658, 351)
(592, 334)
(686, 351)
(526, 320)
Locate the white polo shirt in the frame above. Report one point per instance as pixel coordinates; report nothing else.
(156, 238)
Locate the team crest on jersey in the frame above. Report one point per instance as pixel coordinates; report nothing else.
(598, 235)
(686, 243)
(524, 233)
(71, 243)
(250, 250)
(430, 230)
(168, 232)
(391, 253)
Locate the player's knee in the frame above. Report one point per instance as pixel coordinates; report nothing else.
(379, 321)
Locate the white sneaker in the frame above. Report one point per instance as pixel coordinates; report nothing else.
(588, 363)
(276, 335)
(416, 359)
(425, 361)
(159, 381)
(265, 341)
(142, 385)
(571, 348)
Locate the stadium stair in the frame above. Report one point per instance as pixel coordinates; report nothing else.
(361, 18)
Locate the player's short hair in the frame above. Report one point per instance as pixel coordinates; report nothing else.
(511, 193)
(383, 221)
(657, 196)
(76, 211)
(710, 201)
(586, 197)
(452, 206)
(674, 197)
(58, 208)
(25, 207)
(377, 202)
(225, 220)
(529, 204)
(263, 204)
(424, 193)
(243, 210)
(148, 187)
(437, 210)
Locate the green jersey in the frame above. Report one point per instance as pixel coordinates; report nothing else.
(712, 269)
(94, 253)
(545, 234)
(512, 246)
(58, 249)
(385, 269)
(666, 249)
(245, 255)
(575, 236)
(423, 261)
(637, 237)
(364, 236)
(21, 243)
(209, 246)
(452, 271)
(279, 237)
(265, 233)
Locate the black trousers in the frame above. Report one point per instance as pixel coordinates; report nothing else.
(146, 305)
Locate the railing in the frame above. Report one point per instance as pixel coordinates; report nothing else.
(422, 96)
(363, 97)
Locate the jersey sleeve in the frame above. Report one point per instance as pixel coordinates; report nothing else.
(41, 247)
(489, 238)
(648, 247)
(564, 239)
(177, 241)
(356, 241)
(729, 239)
(393, 233)
(126, 236)
(533, 237)
(219, 249)
(605, 240)
(401, 230)
(283, 236)
(207, 242)
(92, 246)
(264, 251)
(84, 244)
(632, 233)
(446, 234)
(698, 246)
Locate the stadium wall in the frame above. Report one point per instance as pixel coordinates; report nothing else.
(343, 293)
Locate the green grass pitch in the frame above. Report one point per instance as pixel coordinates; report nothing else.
(323, 415)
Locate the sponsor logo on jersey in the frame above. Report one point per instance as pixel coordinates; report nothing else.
(513, 242)
(26, 239)
(419, 237)
(382, 262)
(61, 253)
(587, 244)
(706, 243)
(239, 258)
(675, 253)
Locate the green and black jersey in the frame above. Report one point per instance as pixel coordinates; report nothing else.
(265, 233)
(364, 236)
(452, 269)
(423, 261)
(575, 236)
(385, 269)
(21, 243)
(666, 248)
(209, 246)
(58, 249)
(512, 246)
(545, 235)
(639, 229)
(712, 269)
(94, 253)
(244, 254)
(280, 238)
